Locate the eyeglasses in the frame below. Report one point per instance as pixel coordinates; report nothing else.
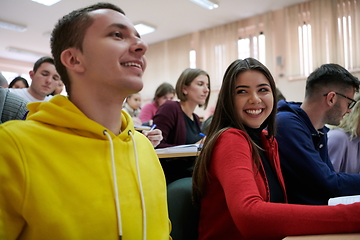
(351, 104)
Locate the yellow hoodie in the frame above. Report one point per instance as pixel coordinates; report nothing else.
(56, 179)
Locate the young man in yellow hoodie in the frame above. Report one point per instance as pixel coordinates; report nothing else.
(76, 168)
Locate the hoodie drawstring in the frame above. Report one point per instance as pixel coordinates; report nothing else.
(117, 202)
(140, 186)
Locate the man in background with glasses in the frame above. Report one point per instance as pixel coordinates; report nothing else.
(302, 136)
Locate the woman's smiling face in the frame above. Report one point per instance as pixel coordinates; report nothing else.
(253, 98)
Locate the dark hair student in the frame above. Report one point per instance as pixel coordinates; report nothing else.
(237, 180)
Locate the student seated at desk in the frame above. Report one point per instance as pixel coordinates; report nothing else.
(12, 106)
(163, 93)
(176, 119)
(178, 122)
(302, 136)
(237, 181)
(132, 106)
(76, 168)
(19, 82)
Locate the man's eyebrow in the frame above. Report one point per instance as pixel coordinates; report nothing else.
(118, 25)
(123, 27)
(48, 72)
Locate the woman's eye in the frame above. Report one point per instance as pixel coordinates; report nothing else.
(263, 90)
(240, 91)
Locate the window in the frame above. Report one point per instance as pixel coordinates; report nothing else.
(252, 47)
(305, 49)
(345, 35)
(192, 56)
(244, 48)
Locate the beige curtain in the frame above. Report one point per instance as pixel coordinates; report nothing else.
(215, 49)
(294, 18)
(166, 60)
(335, 31)
(268, 31)
(324, 33)
(349, 32)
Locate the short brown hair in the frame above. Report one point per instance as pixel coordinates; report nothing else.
(70, 32)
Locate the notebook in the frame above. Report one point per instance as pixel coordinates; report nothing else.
(180, 148)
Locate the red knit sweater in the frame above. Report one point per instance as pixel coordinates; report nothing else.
(236, 201)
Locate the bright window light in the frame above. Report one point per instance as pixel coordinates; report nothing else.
(244, 48)
(192, 56)
(46, 2)
(205, 4)
(262, 52)
(305, 49)
(144, 29)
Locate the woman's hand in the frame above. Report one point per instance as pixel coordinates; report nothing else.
(155, 136)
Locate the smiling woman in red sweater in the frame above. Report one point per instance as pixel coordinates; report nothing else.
(237, 180)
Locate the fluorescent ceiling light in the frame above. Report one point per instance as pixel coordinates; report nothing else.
(143, 28)
(205, 4)
(46, 2)
(26, 52)
(12, 26)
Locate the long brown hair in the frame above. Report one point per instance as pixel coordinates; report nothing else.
(225, 116)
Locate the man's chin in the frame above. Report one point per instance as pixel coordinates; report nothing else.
(47, 93)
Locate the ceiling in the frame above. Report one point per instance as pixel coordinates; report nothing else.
(172, 18)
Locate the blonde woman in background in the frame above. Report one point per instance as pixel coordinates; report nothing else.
(344, 142)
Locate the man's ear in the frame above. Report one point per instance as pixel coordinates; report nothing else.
(330, 98)
(71, 61)
(31, 74)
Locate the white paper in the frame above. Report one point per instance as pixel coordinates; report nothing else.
(180, 148)
(344, 200)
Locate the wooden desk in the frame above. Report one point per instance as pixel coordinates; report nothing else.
(342, 236)
(176, 155)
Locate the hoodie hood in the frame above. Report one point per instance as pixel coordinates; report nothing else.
(53, 112)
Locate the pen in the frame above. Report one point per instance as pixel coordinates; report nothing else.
(202, 135)
(152, 127)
